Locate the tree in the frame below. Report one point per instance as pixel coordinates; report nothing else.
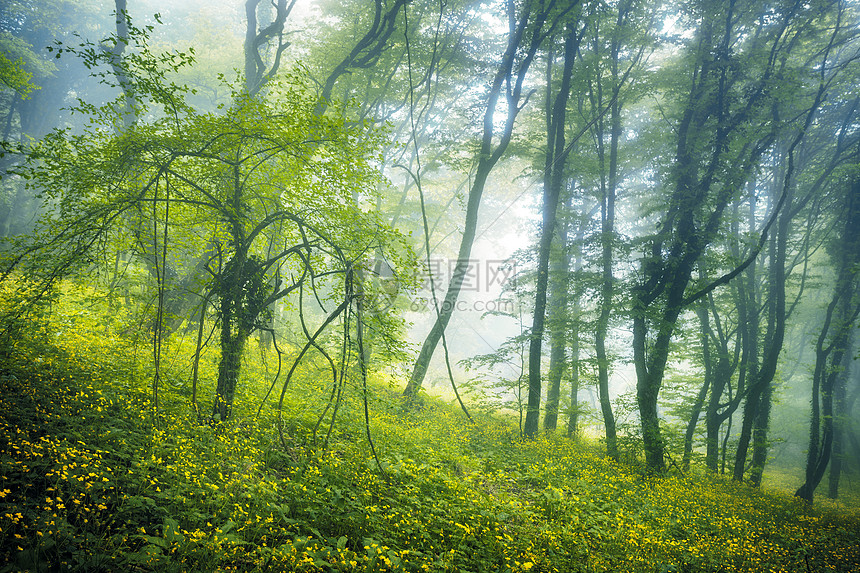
(526, 32)
(367, 50)
(834, 342)
(727, 120)
(842, 419)
(558, 318)
(270, 183)
(553, 183)
(610, 49)
(812, 152)
(258, 72)
(720, 359)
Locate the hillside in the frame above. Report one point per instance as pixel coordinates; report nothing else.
(94, 480)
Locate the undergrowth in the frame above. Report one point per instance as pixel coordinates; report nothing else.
(93, 479)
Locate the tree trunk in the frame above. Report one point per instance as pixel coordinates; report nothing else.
(842, 412)
(759, 437)
(698, 405)
(557, 323)
(553, 182)
(256, 36)
(746, 348)
(609, 186)
(719, 373)
(647, 390)
(573, 415)
(757, 407)
(510, 81)
(825, 382)
(717, 119)
(229, 287)
(574, 333)
(838, 432)
(833, 345)
(128, 111)
(713, 417)
(773, 344)
(229, 368)
(419, 370)
(651, 363)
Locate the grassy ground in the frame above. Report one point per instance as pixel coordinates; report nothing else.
(92, 480)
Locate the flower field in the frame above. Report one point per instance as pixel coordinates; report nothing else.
(93, 479)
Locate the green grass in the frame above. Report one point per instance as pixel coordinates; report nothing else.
(91, 480)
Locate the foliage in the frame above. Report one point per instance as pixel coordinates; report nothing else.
(264, 199)
(90, 483)
(15, 77)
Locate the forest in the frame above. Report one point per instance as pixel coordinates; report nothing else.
(430, 285)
